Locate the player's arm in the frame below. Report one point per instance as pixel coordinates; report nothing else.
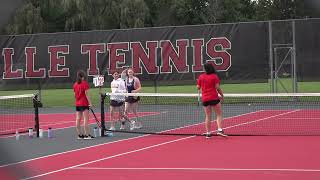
(87, 87)
(137, 85)
(87, 96)
(124, 74)
(219, 90)
(198, 84)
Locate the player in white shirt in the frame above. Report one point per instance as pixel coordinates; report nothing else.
(117, 101)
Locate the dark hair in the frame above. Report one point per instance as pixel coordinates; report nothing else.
(115, 71)
(208, 67)
(80, 74)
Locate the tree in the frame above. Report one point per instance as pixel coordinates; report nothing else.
(190, 12)
(37, 16)
(133, 14)
(263, 8)
(283, 9)
(26, 21)
(289, 9)
(238, 10)
(184, 12)
(82, 15)
(65, 15)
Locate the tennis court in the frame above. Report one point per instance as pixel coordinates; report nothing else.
(271, 140)
(255, 62)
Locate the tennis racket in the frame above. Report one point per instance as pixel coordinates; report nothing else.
(95, 117)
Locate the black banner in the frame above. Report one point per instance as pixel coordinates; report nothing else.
(238, 51)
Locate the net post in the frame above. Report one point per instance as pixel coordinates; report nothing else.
(103, 127)
(36, 105)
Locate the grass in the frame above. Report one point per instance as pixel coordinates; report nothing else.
(65, 97)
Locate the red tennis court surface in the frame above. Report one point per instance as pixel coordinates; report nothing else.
(185, 158)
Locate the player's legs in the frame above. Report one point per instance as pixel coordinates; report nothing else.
(124, 111)
(85, 115)
(112, 118)
(123, 114)
(218, 110)
(134, 108)
(130, 107)
(78, 119)
(208, 113)
(127, 108)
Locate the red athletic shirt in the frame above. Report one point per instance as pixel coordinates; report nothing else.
(80, 93)
(207, 84)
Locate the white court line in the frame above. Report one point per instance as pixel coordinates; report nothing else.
(202, 169)
(250, 122)
(65, 152)
(61, 122)
(110, 157)
(214, 120)
(301, 118)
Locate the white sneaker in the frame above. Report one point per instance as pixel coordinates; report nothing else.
(208, 135)
(121, 127)
(112, 128)
(132, 125)
(88, 137)
(138, 125)
(221, 133)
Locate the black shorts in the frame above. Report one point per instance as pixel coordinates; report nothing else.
(211, 103)
(114, 103)
(82, 108)
(132, 99)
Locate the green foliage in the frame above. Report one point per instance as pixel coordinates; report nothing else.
(238, 10)
(133, 13)
(27, 20)
(263, 10)
(283, 9)
(36, 16)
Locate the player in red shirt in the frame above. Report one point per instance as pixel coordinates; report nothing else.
(209, 83)
(81, 90)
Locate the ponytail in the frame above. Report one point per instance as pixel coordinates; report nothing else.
(80, 74)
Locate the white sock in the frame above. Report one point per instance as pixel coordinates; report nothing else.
(219, 129)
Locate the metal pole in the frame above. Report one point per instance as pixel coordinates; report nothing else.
(275, 74)
(271, 58)
(39, 90)
(295, 83)
(103, 126)
(36, 105)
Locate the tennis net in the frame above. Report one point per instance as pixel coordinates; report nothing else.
(243, 114)
(19, 113)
